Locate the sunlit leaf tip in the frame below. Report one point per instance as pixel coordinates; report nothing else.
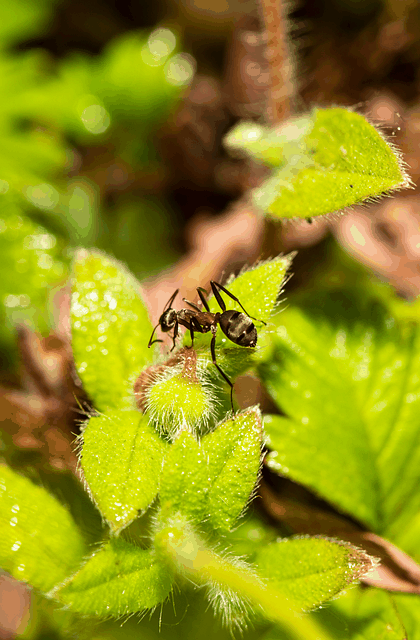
(310, 571)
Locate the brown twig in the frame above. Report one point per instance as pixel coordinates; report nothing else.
(277, 53)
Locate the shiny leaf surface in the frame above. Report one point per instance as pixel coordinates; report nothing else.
(234, 453)
(122, 460)
(110, 329)
(39, 540)
(117, 580)
(311, 571)
(346, 376)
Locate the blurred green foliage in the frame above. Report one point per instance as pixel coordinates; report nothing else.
(72, 132)
(33, 263)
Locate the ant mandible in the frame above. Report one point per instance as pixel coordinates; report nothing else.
(236, 326)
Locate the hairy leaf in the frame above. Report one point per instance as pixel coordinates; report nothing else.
(117, 580)
(273, 147)
(185, 479)
(311, 571)
(234, 452)
(323, 163)
(122, 460)
(257, 290)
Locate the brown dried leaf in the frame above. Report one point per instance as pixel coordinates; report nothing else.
(387, 239)
(42, 414)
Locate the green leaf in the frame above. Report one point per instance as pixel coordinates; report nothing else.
(110, 329)
(30, 156)
(258, 290)
(346, 376)
(47, 621)
(335, 159)
(234, 454)
(117, 580)
(132, 83)
(185, 479)
(235, 587)
(31, 264)
(59, 99)
(310, 571)
(273, 147)
(137, 75)
(407, 607)
(23, 19)
(175, 400)
(251, 534)
(27, 161)
(213, 481)
(40, 542)
(122, 460)
(369, 614)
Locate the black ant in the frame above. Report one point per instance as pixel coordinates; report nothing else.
(236, 326)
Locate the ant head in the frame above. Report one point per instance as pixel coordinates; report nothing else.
(167, 320)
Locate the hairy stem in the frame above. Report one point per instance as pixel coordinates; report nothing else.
(277, 53)
(190, 556)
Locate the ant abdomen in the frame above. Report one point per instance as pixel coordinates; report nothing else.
(239, 328)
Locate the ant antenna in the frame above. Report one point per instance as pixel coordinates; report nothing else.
(151, 341)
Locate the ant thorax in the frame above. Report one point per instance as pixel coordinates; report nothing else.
(167, 320)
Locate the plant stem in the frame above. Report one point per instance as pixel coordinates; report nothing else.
(190, 556)
(278, 108)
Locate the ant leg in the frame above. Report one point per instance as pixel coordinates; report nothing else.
(194, 306)
(194, 326)
(174, 336)
(219, 298)
(154, 342)
(192, 337)
(213, 355)
(201, 293)
(215, 286)
(151, 341)
(168, 305)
